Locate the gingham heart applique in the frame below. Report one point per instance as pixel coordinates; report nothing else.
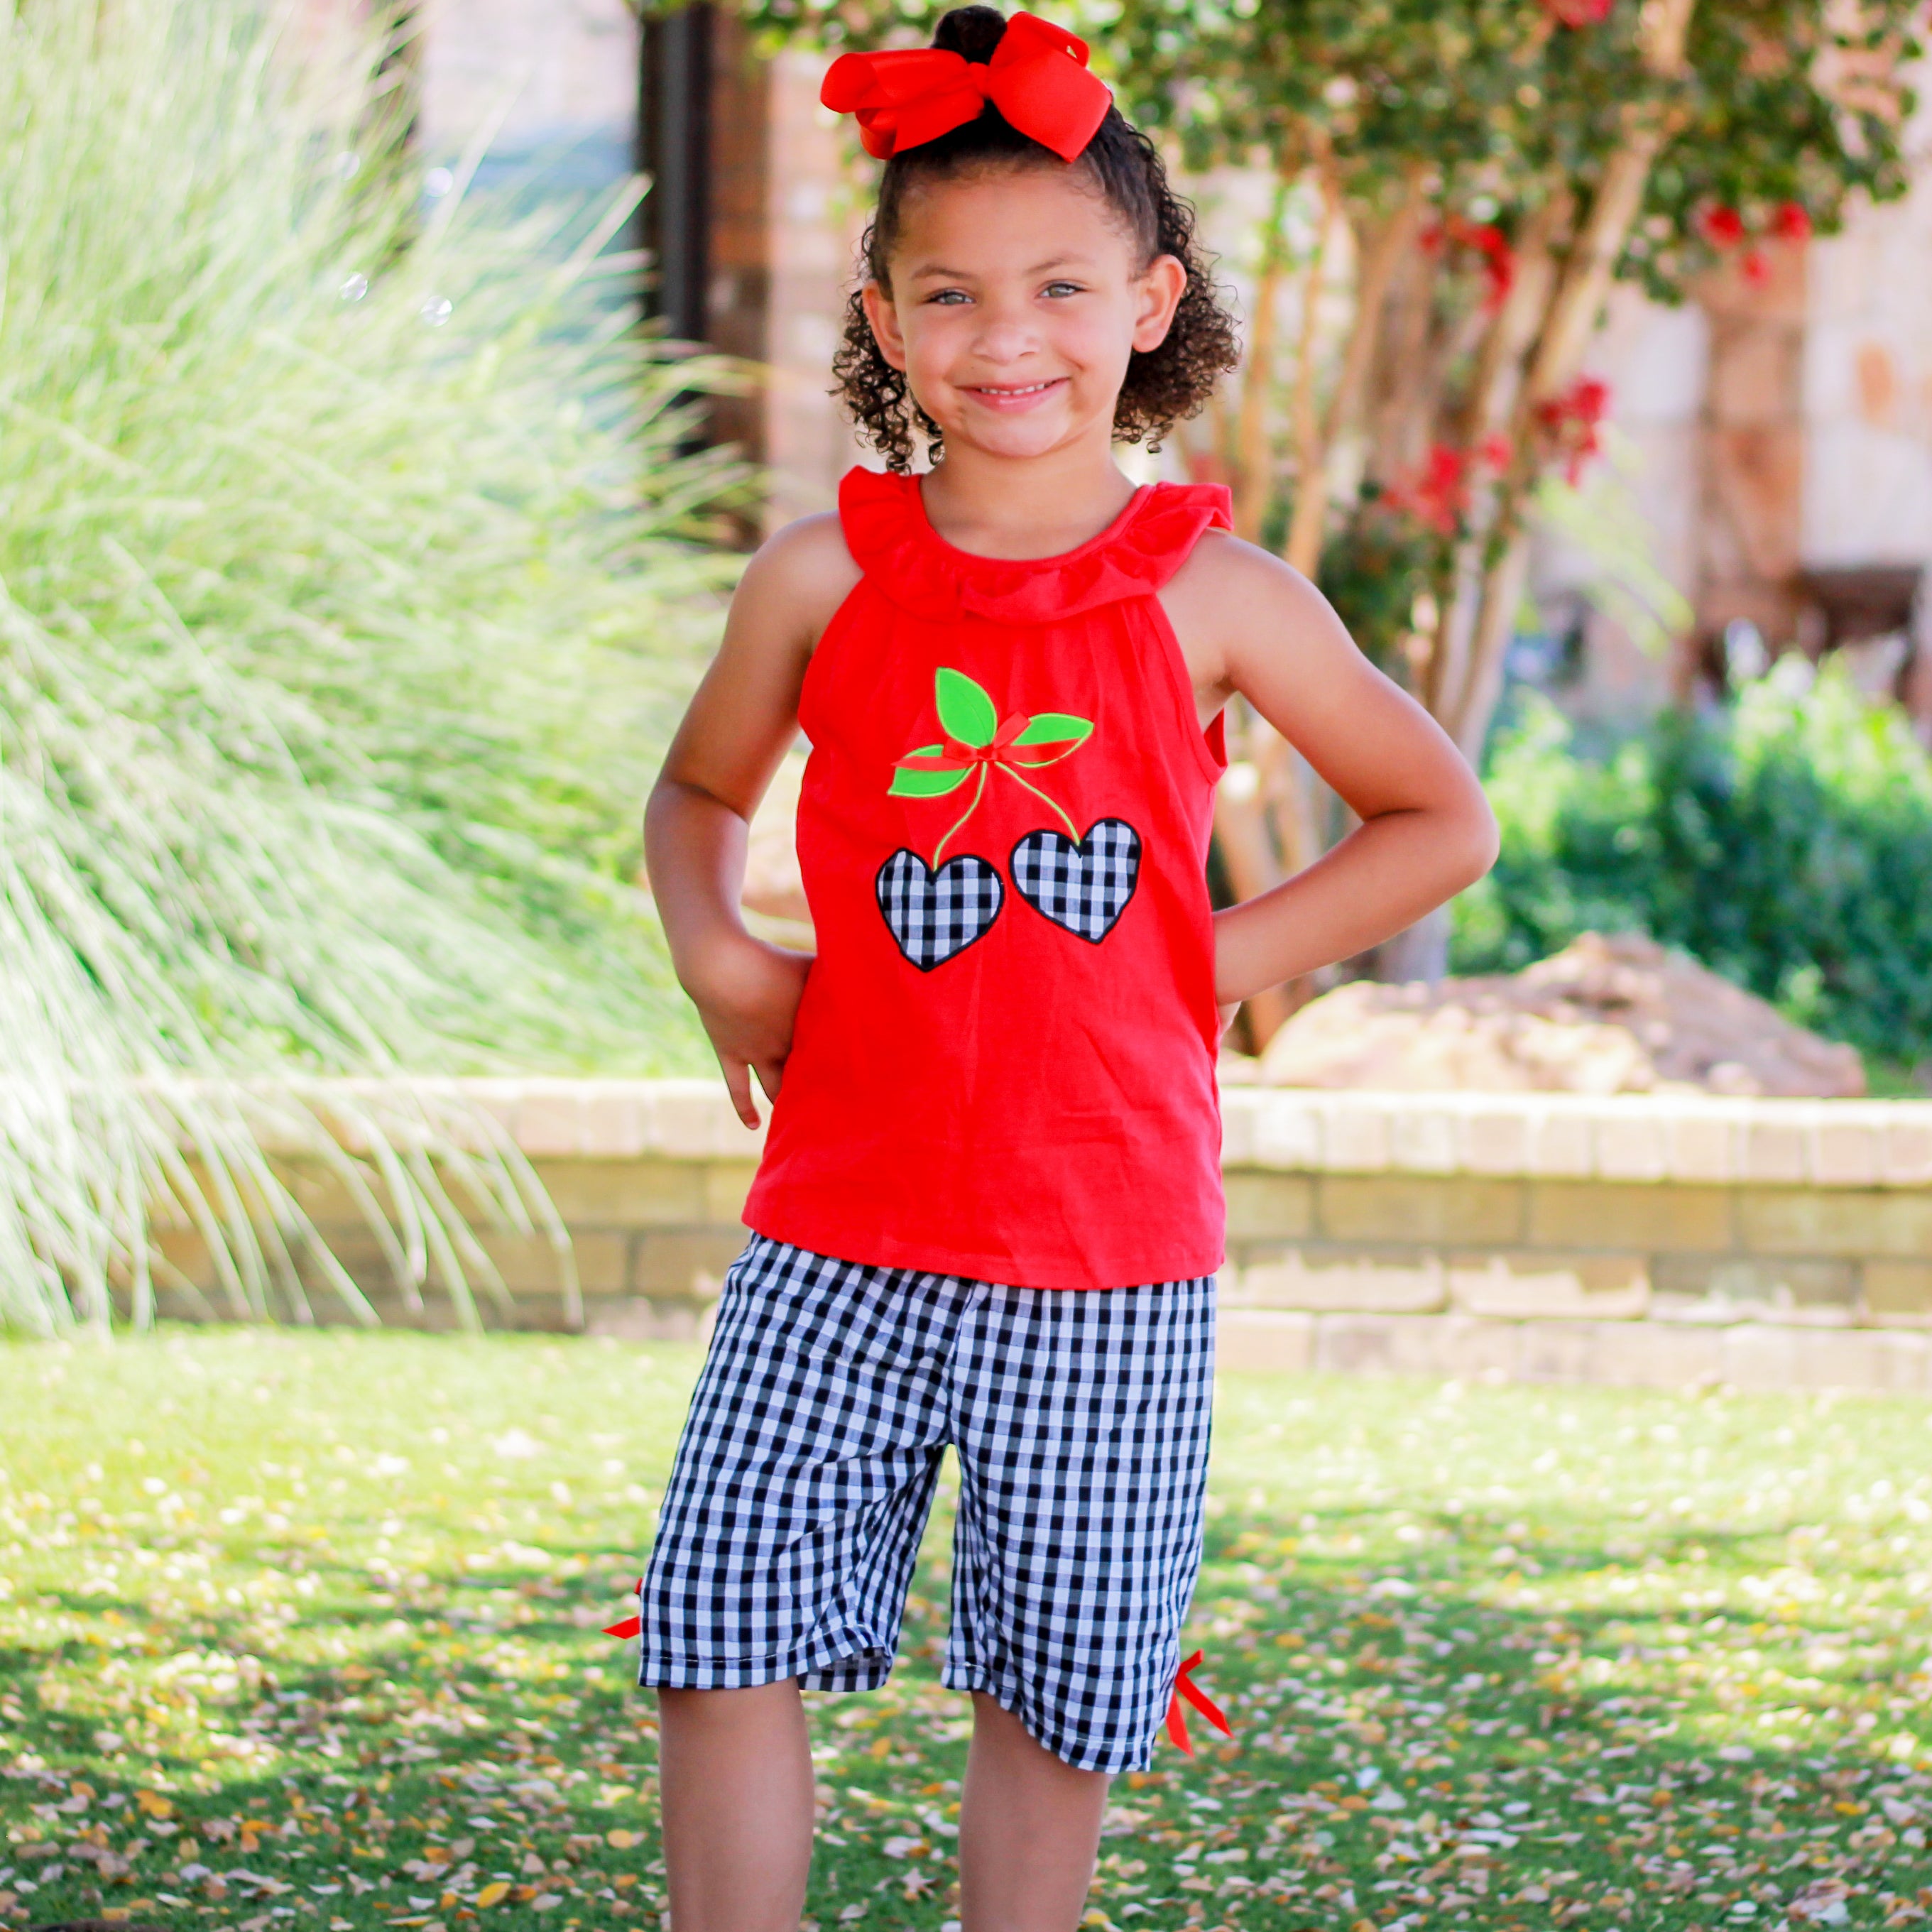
(1085, 887)
(935, 915)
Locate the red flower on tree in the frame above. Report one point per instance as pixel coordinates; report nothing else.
(1494, 451)
(1792, 223)
(1489, 241)
(1723, 227)
(1574, 421)
(1580, 13)
(1437, 494)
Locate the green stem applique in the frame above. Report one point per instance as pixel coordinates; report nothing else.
(959, 823)
(978, 737)
(1073, 831)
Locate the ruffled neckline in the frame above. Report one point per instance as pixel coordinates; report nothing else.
(883, 515)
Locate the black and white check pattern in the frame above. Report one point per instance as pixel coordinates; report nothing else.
(809, 1461)
(1084, 887)
(935, 915)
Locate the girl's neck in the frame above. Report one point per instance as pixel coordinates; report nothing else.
(1020, 507)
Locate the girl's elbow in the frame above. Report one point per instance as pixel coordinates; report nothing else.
(1479, 843)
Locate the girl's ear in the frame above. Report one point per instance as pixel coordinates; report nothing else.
(1157, 297)
(884, 319)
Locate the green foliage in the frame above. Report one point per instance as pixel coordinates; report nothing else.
(347, 571)
(1786, 844)
(1511, 107)
(1784, 101)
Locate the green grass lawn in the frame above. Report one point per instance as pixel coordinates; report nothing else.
(303, 1631)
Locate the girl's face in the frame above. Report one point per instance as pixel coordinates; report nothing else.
(1017, 296)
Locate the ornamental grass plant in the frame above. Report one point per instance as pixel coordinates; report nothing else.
(350, 567)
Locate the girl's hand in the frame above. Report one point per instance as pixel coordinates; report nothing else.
(747, 994)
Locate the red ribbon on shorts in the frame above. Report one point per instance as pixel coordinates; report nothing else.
(1177, 1718)
(631, 1626)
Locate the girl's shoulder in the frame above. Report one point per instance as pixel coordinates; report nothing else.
(1221, 565)
(1231, 598)
(803, 571)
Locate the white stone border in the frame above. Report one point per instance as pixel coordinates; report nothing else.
(1627, 1137)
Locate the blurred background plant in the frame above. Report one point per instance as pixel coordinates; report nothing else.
(1784, 840)
(352, 562)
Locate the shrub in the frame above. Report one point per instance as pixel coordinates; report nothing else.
(1786, 842)
(347, 568)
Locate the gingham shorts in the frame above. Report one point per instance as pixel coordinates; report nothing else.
(803, 1482)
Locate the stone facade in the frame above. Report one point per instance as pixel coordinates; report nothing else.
(1536, 1236)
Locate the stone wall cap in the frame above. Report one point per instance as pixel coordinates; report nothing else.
(1690, 1139)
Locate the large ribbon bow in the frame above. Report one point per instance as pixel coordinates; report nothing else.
(1037, 78)
(1177, 1718)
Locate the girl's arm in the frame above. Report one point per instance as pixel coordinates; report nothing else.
(742, 718)
(1249, 623)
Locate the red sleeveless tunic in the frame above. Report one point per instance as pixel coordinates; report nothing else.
(1004, 1063)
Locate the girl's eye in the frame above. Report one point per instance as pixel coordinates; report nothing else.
(1061, 289)
(948, 296)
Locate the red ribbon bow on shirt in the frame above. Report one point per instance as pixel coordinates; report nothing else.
(1037, 78)
(951, 754)
(1177, 1718)
(631, 1626)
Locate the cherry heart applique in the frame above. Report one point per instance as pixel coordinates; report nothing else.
(1084, 888)
(935, 915)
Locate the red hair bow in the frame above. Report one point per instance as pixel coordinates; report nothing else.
(1037, 78)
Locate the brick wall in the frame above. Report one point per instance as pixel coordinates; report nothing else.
(1551, 1237)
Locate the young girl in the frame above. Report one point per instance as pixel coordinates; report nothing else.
(989, 1209)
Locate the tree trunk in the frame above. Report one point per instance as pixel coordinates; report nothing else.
(1418, 952)
(1469, 722)
(1574, 305)
(1254, 467)
(1398, 433)
(1375, 264)
(1303, 421)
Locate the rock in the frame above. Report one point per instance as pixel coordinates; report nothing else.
(1614, 1015)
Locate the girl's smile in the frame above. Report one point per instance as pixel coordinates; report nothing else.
(1013, 398)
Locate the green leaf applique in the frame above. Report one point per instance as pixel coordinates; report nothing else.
(927, 783)
(1060, 728)
(965, 710)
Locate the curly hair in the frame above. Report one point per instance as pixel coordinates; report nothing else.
(1163, 385)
